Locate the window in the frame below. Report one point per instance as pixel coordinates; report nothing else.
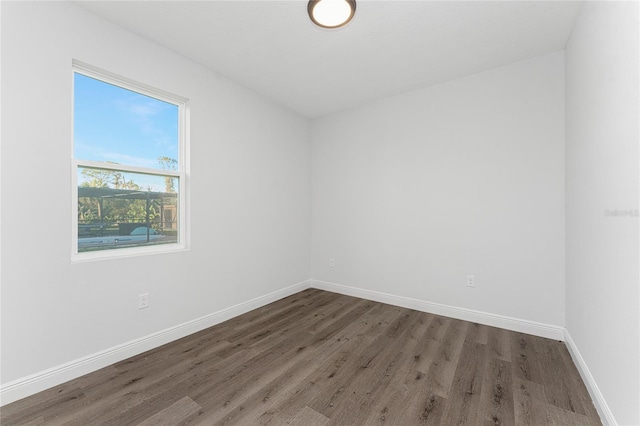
(129, 167)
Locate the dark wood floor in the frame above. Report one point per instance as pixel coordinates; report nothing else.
(320, 358)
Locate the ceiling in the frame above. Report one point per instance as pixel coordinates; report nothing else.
(390, 47)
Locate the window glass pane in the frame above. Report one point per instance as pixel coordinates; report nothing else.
(120, 126)
(121, 209)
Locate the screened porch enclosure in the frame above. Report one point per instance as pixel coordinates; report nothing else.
(111, 218)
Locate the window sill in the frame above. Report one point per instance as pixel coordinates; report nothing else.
(91, 256)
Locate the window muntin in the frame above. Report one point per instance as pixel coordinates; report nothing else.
(129, 167)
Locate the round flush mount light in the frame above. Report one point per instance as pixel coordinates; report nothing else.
(331, 13)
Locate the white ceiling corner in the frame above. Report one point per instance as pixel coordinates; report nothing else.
(390, 47)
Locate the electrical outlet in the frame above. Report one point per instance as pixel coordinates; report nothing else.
(332, 262)
(143, 300)
(471, 280)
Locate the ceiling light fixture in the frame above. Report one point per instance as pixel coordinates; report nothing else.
(331, 13)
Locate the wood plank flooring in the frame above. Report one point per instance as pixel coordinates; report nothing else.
(320, 358)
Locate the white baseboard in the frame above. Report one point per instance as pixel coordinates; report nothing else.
(598, 399)
(40, 381)
(51, 377)
(509, 323)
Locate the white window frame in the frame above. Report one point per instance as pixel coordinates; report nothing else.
(182, 173)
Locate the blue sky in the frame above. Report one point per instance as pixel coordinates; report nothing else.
(118, 125)
(112, 124)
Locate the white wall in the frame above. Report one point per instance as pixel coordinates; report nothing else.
(250, 218)
(602, 174)
(412, 193)
(409, 195)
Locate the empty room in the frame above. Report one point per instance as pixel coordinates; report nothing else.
(325, 212)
